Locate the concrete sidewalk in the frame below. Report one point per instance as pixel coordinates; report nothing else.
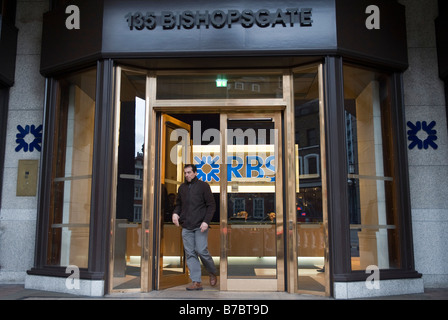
(18, 292)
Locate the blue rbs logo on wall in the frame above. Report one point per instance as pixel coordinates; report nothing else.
(427, 136)
(27, 143)
(254, 167)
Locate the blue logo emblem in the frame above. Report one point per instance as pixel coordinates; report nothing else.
(417, 141)
(23, 133)
(208, 175)
(209, 168)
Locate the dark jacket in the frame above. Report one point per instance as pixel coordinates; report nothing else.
(194, 204)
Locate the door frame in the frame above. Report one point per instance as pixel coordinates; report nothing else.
(167, 281)
(284, 106)
(277, 284)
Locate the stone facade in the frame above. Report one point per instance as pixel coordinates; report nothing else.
(424, 98)
(26, 100)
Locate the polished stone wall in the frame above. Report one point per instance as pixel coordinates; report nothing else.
(18, 214)
(428, 168)
(424, 98)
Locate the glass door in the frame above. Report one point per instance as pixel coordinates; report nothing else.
(126, 222)
(176, 152)
(251, 203)
(310, 217)
(245, 133)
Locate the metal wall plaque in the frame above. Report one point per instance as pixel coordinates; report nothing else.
(27, 178)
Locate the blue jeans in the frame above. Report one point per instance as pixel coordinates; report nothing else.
(195, 245)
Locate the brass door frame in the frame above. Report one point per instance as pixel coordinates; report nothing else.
(171, 280)
(277, 284)
(290, 184)
(279, 106)
(235, 106)
(114, 178)
(147, 211)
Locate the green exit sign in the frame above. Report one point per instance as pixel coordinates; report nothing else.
(221, 82)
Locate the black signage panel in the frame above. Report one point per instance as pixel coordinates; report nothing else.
(373, 31)
(64, 48)
(202, 28)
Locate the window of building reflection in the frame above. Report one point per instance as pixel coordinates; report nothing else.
(129, 192)
(69, 219)
(309, 211)
(372, 198)
(251, 198)
(219, 86)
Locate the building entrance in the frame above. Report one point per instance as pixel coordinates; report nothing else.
(268, 232)
(239, 156)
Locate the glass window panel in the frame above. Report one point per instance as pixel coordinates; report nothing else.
(251, 199)
(68, 242)
(201, 140)
(176, 156)
(310, 232)
(129, 194)
(371, 180)
(219, 86)
(187, 138)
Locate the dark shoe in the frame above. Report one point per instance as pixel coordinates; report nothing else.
(213, 280)
(194, 286)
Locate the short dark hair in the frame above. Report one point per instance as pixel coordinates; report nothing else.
(192, 166)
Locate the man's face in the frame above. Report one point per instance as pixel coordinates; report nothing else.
(189, 174)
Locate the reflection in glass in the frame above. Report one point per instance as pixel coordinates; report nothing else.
(252, 251)
(129, 193)
(219, 86)
(370, 156)
(69, 221)
(309, 214)
(176, 155)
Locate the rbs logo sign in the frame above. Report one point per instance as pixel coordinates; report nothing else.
(209, 167)
(250, 153)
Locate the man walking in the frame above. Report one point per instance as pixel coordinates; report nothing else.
(194, 210)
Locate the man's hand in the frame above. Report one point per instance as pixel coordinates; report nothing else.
(175, 218)
(204, 226)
